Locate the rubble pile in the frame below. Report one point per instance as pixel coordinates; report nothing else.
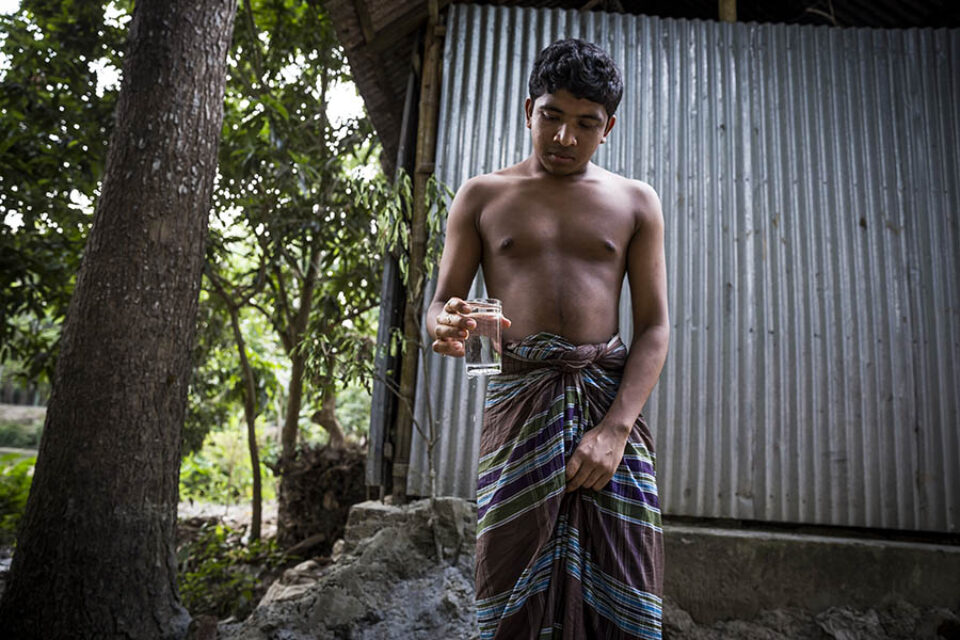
(399, 573)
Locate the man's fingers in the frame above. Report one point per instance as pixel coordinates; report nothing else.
(450, 332)
(578, 480)
(448, 347)
(448, 319)
(456, 305)
(575, 472)
(573, 465)
(597, 480)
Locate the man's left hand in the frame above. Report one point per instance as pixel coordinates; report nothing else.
(597, 457)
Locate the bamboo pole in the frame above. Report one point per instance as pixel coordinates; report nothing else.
(728, 10)
(426, 149)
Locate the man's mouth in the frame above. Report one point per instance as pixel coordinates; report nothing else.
(560, 157)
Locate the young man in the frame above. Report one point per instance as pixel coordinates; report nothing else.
(569, 537)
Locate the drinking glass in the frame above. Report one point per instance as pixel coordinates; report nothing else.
(482, 345)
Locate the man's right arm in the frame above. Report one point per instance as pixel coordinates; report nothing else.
(462, 251)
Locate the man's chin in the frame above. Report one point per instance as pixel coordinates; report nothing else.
(561, 166)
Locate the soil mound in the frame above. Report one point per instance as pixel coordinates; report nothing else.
(400, 573)
(318, 489)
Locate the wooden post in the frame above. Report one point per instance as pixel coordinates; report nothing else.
(413, 311)
(728, 10)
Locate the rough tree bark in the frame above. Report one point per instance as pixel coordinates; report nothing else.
(95, 555)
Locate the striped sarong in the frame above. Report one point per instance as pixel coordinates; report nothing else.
(581, 565)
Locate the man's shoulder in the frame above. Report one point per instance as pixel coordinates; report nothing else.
(632, 186)
(641, 196)
(646, 197)
(481, 187)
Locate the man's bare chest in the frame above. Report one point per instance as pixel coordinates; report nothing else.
(536, 231)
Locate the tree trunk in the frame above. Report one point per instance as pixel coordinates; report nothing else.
(291, 424)
(326, 417)
(288, 439)
(298, 329)
(95, 555)
(250, 414)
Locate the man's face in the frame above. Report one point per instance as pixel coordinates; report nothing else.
(566, 130)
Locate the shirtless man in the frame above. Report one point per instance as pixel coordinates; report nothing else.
(569, 540)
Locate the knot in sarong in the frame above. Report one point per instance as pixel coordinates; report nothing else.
(550, 351)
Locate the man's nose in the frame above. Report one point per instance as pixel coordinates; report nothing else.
(565, 136)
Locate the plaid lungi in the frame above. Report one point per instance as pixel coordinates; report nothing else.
(581, 565)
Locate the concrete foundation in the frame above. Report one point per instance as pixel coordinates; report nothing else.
(717, 574)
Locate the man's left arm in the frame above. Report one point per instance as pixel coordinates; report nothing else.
(600, 451)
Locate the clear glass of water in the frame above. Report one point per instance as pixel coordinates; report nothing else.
(482, 345)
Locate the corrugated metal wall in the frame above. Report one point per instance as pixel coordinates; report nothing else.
(809, 179)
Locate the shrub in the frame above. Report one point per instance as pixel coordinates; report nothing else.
(220, 576)
(353, 409)
(16, 474)
(220, 471)
(20, 434)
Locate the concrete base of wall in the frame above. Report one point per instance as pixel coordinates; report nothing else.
(717, 574)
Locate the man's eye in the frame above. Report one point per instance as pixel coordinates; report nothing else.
(547, 116)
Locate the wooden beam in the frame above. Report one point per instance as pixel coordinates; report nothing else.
(363, 17)
(728, 10)
(402, 26)
(430, 80)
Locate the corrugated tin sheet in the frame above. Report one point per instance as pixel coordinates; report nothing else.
(380, 68)
(811, 190)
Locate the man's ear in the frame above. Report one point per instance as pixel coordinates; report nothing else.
(606, 130)
(528, 109)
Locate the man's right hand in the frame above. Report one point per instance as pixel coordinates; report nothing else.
(453, 328)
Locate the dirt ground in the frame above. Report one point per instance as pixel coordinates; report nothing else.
(235, 516)
(21, 413)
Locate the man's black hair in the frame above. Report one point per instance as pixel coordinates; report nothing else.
(580, 67)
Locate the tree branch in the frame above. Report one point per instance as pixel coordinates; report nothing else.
(257, 55)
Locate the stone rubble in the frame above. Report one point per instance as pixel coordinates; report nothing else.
(406, 572)
(403, 572)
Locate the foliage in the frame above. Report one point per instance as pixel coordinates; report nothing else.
(210, 402)
(303, 223)
(294, 234)
(220, 471)
(353, 409)
(55, 119)
(394, 221)
(16, 474)
(216, 383)
(295, 190)
(20, 435)
(219, 575)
